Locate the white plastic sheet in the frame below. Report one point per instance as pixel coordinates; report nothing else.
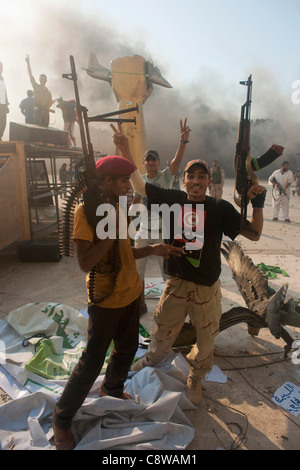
(154, 419)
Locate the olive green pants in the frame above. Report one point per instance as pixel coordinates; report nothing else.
(203, 305)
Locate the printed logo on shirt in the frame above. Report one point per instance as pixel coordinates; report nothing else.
(191, 220)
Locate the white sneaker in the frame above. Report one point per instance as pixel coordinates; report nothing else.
(194, 389)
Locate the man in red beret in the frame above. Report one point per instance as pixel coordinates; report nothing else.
(114, 166)
(114, 287)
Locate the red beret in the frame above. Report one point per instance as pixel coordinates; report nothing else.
(113, 165)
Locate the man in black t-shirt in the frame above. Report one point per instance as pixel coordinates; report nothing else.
(193, 287)
(198, 228)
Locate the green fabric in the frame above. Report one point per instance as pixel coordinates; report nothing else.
(51, 364)
(272, 271)
(53, 361)
(143, 331)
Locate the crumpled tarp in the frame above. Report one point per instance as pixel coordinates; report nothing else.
(154, 419)
(56, 334)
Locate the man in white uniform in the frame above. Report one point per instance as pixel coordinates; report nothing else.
(281, 181)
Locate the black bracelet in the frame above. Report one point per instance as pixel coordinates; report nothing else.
(184, 141)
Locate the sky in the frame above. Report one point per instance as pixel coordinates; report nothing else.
(203, 48)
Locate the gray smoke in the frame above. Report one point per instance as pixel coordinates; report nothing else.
(211, 105)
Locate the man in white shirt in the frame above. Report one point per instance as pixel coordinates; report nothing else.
(281, 181)
(3, 103)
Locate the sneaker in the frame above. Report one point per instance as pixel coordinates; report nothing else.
(124, 396)
(63, 438)
(194, 389)
(275, 218)
(287, 220)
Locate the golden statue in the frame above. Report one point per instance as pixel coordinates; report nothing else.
(132, 80)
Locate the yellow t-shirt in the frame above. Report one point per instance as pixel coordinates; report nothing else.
(42, 96)
(128, 285)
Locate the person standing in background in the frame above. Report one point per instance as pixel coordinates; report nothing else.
(217, 176)
(297, 179)
(69, 114)
(281, 181)
(42, 97)
(63, 177)
(27, 107)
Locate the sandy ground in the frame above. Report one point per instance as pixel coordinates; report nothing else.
(238, 414)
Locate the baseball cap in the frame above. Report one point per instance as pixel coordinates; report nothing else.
(152, 153)
(114, 165)
(202, 163)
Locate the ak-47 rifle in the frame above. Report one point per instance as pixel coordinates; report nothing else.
(281, 190)
(245, 164)
(88, 186)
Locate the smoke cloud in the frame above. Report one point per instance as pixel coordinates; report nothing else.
(211, 104)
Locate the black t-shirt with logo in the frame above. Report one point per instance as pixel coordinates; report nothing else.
(202, 264)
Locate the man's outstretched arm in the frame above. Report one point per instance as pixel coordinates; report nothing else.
(122, 144)
(184, 139)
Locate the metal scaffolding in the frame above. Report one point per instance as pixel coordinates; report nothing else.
(45, 190)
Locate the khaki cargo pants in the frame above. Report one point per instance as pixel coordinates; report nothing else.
(203, 305)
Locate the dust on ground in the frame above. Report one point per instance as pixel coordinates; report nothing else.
(240, 413)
